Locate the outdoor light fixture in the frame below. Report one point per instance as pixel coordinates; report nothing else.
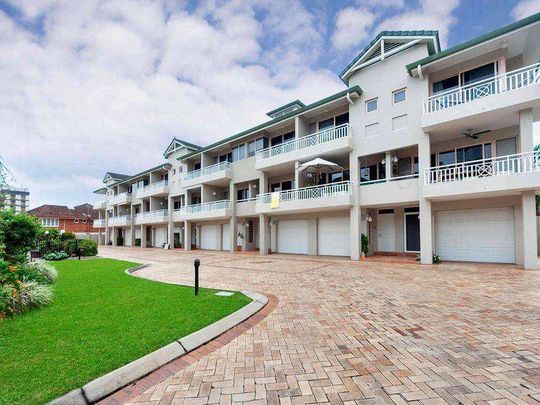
(394, 159)
(214, 193)
(368, 218)
(254, 186)
(383, 162)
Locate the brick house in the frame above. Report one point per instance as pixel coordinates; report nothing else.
(79, 220)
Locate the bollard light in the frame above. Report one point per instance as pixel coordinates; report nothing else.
(196, 264)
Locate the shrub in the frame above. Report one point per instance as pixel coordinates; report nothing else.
(42, 273)
(55, 256)
(436, 258)
(87, 247)
(137, 241)
(18, 233)
(365, 244)
(119, 241)
(8, 274)
(7, 300)
(32, 295)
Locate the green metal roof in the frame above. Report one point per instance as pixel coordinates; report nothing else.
(284, 107)
(397, 34)
(128, 178)
(354, 89)
(475, 41)
(186, 144)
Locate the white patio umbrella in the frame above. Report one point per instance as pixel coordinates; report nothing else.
(318, 166)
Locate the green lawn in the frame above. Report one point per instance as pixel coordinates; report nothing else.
(100, 319)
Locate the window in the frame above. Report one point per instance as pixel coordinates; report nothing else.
(256, 145)
(312, 128)
(49, 222)
(447, 158)
(446, 84)
(371, 105)
(399, 96)
(75, 221)
(242, 194)
(283, 186)
(197, 166)
(339, 176)
(84, 221)
(342, 119)
(239, 152)
(329, 123)
(173, 171)
(176, 205)
(278, 140)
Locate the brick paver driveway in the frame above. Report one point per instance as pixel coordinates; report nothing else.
(362, 332)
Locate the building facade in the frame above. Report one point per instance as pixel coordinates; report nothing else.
(14, 198)
(78, 220)
(426, 151)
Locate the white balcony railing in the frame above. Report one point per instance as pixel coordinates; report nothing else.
(207, 170)
(155, 186)
(209, 206)
(497, 166)
(391, 179)
(120, 198)
(306, 141)
(157, 214)
(99, 223)
(308, 193)
(119, 220)
(516, 79)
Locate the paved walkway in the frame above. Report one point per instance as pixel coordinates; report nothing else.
(361, 332)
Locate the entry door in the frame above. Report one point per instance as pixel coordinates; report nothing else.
(386, 236)
(412, 232)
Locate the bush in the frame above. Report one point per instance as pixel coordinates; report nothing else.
(55, 256)
(7, 300)
(137, 241)
(8, 274)
(436, 258)
(32, 295)
(119, 241)
(87, 247)
(365, 244)
(18, 233)
(42, 273)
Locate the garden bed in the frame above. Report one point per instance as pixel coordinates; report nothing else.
(100, 319)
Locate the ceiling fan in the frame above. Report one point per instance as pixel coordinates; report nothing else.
(474, 135)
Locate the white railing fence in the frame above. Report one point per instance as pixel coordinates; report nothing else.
(307, 193)
(497, 166)
(209, 206)
(120, 219)
(391, 179)
(99, 223)
(155, 186)
(125, 196)
(152, 214)
(205, 171)
(516, 79)
(326, 135)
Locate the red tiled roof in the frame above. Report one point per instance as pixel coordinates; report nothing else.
(62, 211)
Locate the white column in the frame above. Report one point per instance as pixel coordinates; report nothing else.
(264, 234)
(233, 221)
(114, 237)
(388, 164)
(426, 221)
(528, 209)
(355, 212)
(107, 230)
(297, 175)
(170, 225)
(187, 235)
(143, 236)
(526, 136)
(132, 225)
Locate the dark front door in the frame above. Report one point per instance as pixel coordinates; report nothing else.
(412, 233)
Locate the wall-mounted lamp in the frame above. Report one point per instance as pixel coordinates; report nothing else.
(369, 218)
(394, 159)
(254, 186)
(214, 193)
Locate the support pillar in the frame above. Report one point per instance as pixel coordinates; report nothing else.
(264, 234)
(114, 237)
(388, 165)
(132, 226)
(170, 225)
(528, 210)
(187, 235)
(355, 211)
(233, 228)
(426, 217)
(143, 236)
(526, 135)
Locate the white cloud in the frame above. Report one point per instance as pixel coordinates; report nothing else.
(526, 8)
(382, 3)
(110, 82)
(430, 15)
(352, 27)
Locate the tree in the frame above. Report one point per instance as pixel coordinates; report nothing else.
(18, 232)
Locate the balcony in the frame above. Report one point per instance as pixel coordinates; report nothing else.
(100, 205)
(99, 223)
(511, 91)
(122, 198)
(159, 188)
(218, 174)
(331, 141)
(317, 198)
(152, 217)
(204, 211)
(395, 190)
(121, 220)
(508, 174)
(246, 208)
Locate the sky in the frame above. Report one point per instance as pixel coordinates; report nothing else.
(93, 86)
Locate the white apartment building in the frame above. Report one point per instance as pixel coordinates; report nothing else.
(426, 150)
(14, 198)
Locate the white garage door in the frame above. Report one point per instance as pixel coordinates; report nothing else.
(334, 236)
(160, 236)
(292, 236)
(225, 237)
(127, 237)
(480, 235)
(210, 236)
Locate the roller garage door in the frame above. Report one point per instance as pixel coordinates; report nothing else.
(292, 236)
(210, 236)
(334, 236)
(225, 237)
(478, 235)
(160, 235)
